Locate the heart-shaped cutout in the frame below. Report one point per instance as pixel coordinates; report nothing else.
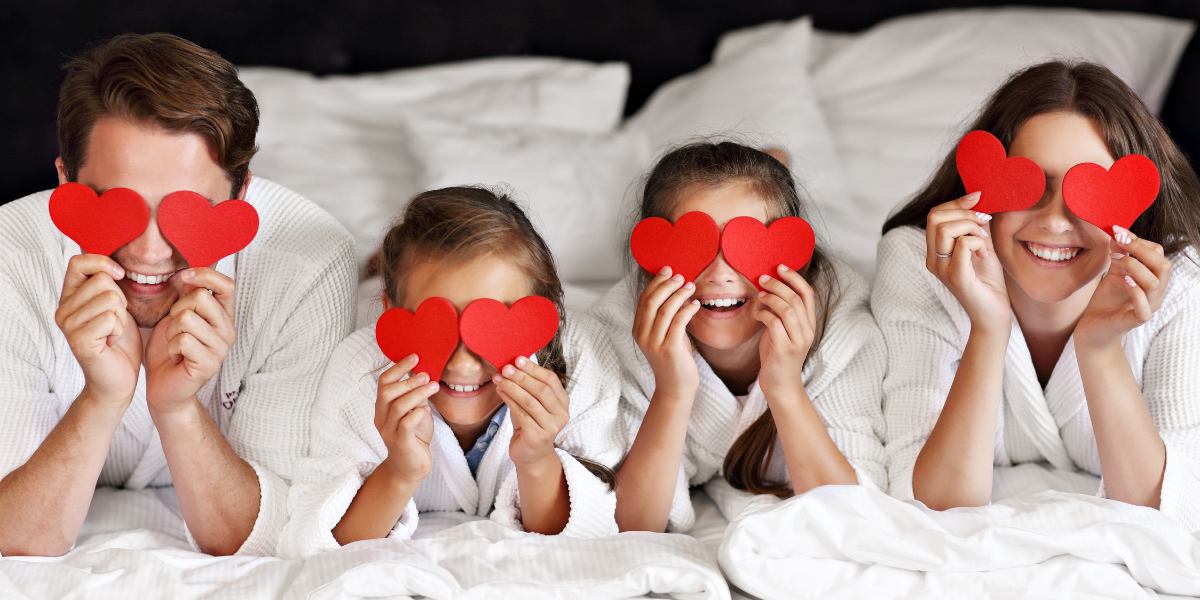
(431, 333)
(1117, 196)
(500, 334)
(204, 233)
(99, 224)
(1007, 183)
(687, 247)
(754, 249)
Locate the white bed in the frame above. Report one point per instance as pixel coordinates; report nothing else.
(863, 117)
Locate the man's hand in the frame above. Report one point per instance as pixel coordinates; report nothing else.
(103, 336)
(187, 347)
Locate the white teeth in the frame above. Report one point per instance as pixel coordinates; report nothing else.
(464, 388)
(150, 279)
(1051, 254)
(722, 302)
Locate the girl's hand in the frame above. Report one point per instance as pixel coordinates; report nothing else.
(660, 330)
(959, 253)
(405, 421)
(539, 408)
(1128, 294)
(790, 318)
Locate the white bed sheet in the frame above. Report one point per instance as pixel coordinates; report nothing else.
(132, 546)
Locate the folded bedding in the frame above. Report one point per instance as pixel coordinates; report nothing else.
(851, 541)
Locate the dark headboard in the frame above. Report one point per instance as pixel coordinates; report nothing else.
(659, 38)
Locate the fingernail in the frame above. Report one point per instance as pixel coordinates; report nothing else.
(188, 275)
(521, 361)
(422, 378)
(496, 378)
(677, 277)
(433, 387)
(508, 370)
(985, 253)
(983, 232)
(695, 302)
(983, 216)
(666, 270)
(1130, 282)
(973, 196)
(412, 358)
(118, 272)
(1117, 256)
(783, 268)
(762, 295)
(764, 278)
(689, 286)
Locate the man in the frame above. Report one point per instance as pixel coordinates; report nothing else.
(136, 369)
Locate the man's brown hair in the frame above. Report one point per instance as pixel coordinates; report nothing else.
(163, 79)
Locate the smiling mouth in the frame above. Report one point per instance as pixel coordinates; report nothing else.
(148, 279)
(458, 390)
(722, 304)
(1060, 254)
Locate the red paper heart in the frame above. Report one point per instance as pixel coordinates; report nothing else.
(431, 333)
(99, 224)
(1117, 196)
(500, 334)
(756, 250)
(204, 233)
(1015, 183)
(687, 247)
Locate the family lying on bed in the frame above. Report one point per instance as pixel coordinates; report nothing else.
(987, 340)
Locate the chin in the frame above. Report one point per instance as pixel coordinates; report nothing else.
(465, 411)
(148, 315)
(725, 336)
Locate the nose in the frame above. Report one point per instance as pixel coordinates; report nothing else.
(718, 272)
(1053, 215)
(464, 363)
(151, 247)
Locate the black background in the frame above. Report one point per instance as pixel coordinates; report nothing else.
(659, 38)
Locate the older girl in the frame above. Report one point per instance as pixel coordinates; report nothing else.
(776, 390)
(386, 446)
(1034, 336)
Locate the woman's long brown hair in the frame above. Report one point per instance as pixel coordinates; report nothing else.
(710, 165)
(459, 224)
(1128, 127)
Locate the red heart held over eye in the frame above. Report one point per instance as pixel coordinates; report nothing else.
(687, 247)
(431, 333)
(1117, 196)
(204, 233)
(500, 334)
(99, 224)
(1015, 183)
(756, 250)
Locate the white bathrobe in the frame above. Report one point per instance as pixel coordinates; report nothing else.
(927, 329)
(347, 447)
(295, 298)
(842, 378)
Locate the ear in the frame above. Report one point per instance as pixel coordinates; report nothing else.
(245, 184)
(387, 304)
(62, 171)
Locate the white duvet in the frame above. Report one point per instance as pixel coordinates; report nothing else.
(854, 542)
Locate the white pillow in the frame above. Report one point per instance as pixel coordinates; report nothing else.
(340, 141)
(758, 87)
(897, 96)
(573, 185)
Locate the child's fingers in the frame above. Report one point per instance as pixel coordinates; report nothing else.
(775, 328)
(678, 331)
(783, 311)
(518, 393)
(397, 371)
(409, 391)
(670, 308)
(651, 302)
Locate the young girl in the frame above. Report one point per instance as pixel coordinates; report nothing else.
(779, 390)
(1034, 336)
(386, 446)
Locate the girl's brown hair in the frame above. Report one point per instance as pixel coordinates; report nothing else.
(711, 165)
(459, 224)
(163, 79)
(1128, 127)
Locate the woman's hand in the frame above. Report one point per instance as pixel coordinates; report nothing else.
(790, 317)
(405, 421)
(1128, 295)
(660, 330)
(539, 407)
(959, 253)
